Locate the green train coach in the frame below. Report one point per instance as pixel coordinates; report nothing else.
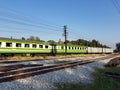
(17, 46)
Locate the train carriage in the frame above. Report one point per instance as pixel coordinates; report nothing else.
(16, 46)
(71, 49)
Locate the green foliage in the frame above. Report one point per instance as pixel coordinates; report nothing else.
(42, 41)
(23, 38)
(93, 43)
(118, 47)
(35, 38)
(51, 41)
(32, 38)
(101, 82)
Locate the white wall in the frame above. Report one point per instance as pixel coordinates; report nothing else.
(3, 44)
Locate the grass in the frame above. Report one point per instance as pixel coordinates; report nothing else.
(101, 82)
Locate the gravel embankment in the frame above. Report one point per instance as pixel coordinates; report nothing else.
(46, 81)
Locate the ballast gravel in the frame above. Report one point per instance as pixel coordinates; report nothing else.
(46, 81)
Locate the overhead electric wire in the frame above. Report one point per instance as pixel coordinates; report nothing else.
(14, 22)
(27, 18)
(8, 20)
(20, 19)
(13, 19)
(21, 30)
(71, 31)
(21, 34)
(116, 5)
(17, 21)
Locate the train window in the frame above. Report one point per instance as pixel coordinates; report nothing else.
(8, 44)
(0, 44)
(46, 46)
(78, 48)
(62, 47)
(18, 44)
(69, 47)
(26, 45)
(75, 48)
(40, 46)
(34, 46)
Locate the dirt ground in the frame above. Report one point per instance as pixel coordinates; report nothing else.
(114, 62)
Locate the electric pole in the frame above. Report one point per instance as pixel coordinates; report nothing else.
(65, 35)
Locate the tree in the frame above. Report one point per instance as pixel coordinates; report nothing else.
(118, 47)
(95, 43)
(37, 38)
(51, 41)
(73, 42)
(32, 38)
(23, 38)
(42, 41)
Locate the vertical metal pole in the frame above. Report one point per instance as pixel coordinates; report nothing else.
(102, 50)
(65, 34)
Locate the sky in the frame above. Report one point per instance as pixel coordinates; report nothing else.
(85, 19)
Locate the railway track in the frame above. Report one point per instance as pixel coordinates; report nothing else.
(19, 74)
(107, 57)
(14, 74)
(14, 67)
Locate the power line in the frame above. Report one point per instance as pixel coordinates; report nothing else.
(28, 30)
(21, 34)
(116, 5)
(21, 30)
(74, 34)
(25, 21)
(14, 17)
(8, 20)
(14, 13)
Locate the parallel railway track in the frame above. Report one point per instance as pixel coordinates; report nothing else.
(14, 74)
(17, 66)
